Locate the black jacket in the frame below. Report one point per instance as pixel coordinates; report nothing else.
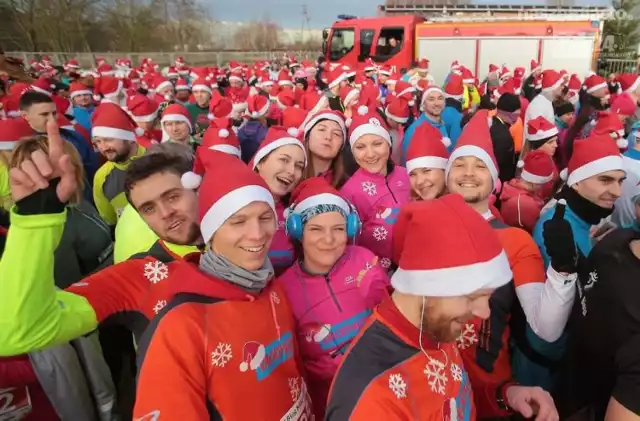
(503, 149)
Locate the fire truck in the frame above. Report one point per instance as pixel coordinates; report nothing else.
(567, 41)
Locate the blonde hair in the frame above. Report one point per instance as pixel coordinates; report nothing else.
(28, 145)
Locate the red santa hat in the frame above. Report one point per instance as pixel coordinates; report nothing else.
(107, 87)
(182, 85)
(227, 187)
(537, 167)
(467, 76)
(494, 69)
(429, 89)
(370, 65)
(454, 87)
(160, 83)
(427, 149)
(142, 108)
(624, 105)
(540, 129)
(313, 192)
(574, 83)
(277, 136)
(467, 253)
(594, 82)
(629, 82)
(202, 82)
(384, 70)
(293, 118)
(455, 65)
(77, 88)
(336, 76)
(257, 106)
(73, 64)
(608, 123)
(348, 95)
(404, 90)
(423, 65)
(176, 112)
(475, 140)
(105, 69)
(11, 131)
(236, 76)
(219, 107)
(551, 80)
(43, 85)
(113, 122)
(332, 115)
(286, 98)
(172, 73)
(253, 354)
(397, 110)
(367, 122)
(284, 78)
(592, 156)
(220, 137)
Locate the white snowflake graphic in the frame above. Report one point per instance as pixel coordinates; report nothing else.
(380, 233)
(398, 385)
(275, 298)
(456, 372)
(385, 262)
(370, 188)
(367, 266)
(436, 377)
(159, 306)
(294, 388)
(221, 355)
(468, 337)
(156, 271)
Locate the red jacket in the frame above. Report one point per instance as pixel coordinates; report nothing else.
(221, 352)
(22, 392)
(520, 208)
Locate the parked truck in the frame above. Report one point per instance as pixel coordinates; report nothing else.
(563, 41)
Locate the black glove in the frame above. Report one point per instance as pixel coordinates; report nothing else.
(43, 201)
(559, 241)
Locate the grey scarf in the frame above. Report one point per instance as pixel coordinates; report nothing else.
(252, 281)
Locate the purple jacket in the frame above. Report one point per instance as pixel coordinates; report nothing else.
(330, 310)
(378, 199)
(281, 252)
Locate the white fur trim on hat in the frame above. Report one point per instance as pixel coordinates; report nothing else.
(262, 111)
(406, 91)
(350, 96)
(175, 117)
(283, 141)
(163, 85)
(369, 128)
(236, 78)
(541, 135)
(476, 151)
(228, 149)
(7, 145)
(454, 281)
(80, 92)
(285, 83)
(634, 86)
(596, 87)
(231, 203)
(607, 163)
(395, 118)
(426, 162)
(321, 199)
(535, 179)
(559, 82)
(42, 91)
(239, 106)
(144, 118)
(325, 116)
(339, 79)
(113, 133)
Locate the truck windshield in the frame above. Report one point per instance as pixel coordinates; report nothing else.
(342, 42)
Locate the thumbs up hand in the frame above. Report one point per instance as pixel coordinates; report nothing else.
(559, 241)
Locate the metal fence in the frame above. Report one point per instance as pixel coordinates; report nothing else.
(616, 65)
(217, 58)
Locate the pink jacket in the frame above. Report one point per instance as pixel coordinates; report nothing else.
(330, 310)
(281, 251)
(378, 199)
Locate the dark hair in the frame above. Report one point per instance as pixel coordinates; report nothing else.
(31, 98)
(154, 163)
(337, 164)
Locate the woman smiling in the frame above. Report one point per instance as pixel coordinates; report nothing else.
(427, 158)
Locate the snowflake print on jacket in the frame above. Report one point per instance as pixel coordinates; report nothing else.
(398, 385)
(221, 355)
(156, 271)
(370, 188)
(436, 376)
(468, 337)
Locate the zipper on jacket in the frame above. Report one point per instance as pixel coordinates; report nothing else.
(333, 295)
(386, 181)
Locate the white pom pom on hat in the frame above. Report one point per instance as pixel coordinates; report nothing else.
(347, 123)
(520, 164)
(223, 133)
(255, 114)
(190, 180)
(564, 174)
(293, 131)
(167, 97)
(446, 141)
(363, 110)
(97, 97)
(139, 131)
(622, 143)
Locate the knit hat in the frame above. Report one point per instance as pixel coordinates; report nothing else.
(537, 167)
(475, 140)
(277, 136)
(176, 112)
(397, 110)
(592, 156)
(332, 115)
(219, 107)
(465, 253)
(539, 129)
(427, 149)
(77, 88)
(509, 103)
(257, 106)
(594, 82)
(11, 131)
(293, 118)
(563, 108)
(219, 137)
(142, 108)
(226, 188)
(455, 87)
(624, 105)
(366, 122)
(551, 80)
(107, 86)
(608, 123)
(315, 196)
(114, 122)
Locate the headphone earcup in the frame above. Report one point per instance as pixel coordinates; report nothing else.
(294, 226)
(353, 225)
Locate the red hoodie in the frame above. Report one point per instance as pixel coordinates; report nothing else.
(520, 208)
(218, 349)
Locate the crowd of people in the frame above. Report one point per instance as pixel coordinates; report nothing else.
(298, 241)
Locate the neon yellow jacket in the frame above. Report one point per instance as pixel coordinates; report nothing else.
(472, 95)
(34, 315)
(5, 189)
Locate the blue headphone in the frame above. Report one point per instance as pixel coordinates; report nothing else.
(294, 225)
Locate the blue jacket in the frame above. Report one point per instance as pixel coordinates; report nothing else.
(250, 135)
(632, 136)
(452, 119)
(83, 116)
(408, 135)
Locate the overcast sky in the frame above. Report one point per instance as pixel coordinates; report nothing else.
(322, 13)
